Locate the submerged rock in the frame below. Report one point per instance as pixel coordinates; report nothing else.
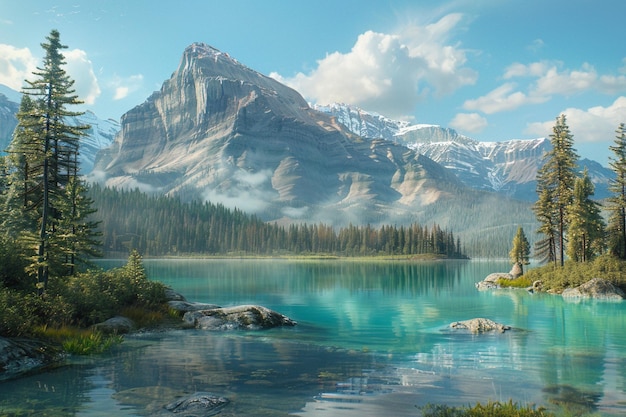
(245, 317)
(480, 325)
(596, 288)
(18, 356)
(199, 404)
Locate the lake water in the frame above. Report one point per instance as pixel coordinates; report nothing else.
(373, 339)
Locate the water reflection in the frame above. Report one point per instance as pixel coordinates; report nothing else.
(378, 329)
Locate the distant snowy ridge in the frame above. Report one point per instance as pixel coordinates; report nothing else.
(99, 136)
(508, 167)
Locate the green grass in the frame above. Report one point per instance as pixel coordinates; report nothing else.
(79, 341)
(491, 409)
(521, 282)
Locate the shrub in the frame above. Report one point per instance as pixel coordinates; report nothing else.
(491, 409)
(573, 274)
(18, 312)
(521, 282)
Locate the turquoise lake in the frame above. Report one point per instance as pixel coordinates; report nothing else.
(373, 339)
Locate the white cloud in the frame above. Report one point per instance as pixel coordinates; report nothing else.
(16, 64)
(122, 87)
(552, 80)
(503, 98)
(389, 73)
(469, 122)
(536, 45)
(596, 124)
(549, 81)
(80, 69)
(536, 69)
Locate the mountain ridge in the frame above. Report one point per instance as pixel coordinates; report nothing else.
(508, 167)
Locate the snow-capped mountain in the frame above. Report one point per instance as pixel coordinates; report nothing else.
(8, 110)
(100, 135)
(508, 167)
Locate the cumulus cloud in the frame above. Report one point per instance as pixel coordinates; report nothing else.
(549, 80)
(389, 73)
(80, 69)
(503, 98)
(123, 86)
(595, 124)
(553, 80)
(16, 64)
(469, 122)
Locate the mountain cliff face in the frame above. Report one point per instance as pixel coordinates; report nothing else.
(220, 131)
(507, 167)
(8, 121)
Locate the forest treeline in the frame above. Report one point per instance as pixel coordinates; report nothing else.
(161, 226)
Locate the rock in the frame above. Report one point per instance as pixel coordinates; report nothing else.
(116, 325)
(480, 325)
(199, 404)
(245, 317)
(498, 275)
(516, 270)
(18, 356)
(536, 287)
(171, 295)
(596, 288)
(184, 306)
(491, 281)
(486, 285)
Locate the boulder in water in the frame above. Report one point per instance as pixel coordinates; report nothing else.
(480, 325)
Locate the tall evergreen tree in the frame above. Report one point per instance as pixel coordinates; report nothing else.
(617, 202)
(44, 155)
(520, 250)
(586, 226)
(555, 182)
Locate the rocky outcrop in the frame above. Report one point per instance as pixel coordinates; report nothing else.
(491, 281)
(516, 270)
(245, 317)
(18, 356)
(480, 325)
(116, 325)
(199, 404)
(596, 288)
(183, 307)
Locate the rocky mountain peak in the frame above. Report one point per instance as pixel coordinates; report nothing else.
(219, 131)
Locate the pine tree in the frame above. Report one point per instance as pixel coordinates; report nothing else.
(617, 202)
(555, 184)
(520, 250)
(44, 155)
(586, 226)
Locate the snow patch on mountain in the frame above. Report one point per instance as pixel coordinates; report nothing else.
(508, 167)
(99, 136)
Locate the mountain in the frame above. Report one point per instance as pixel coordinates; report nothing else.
(99, 136)
(8, 110)
(507, 167)
(220, 131)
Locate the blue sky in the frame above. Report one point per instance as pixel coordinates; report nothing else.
(491, 69)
